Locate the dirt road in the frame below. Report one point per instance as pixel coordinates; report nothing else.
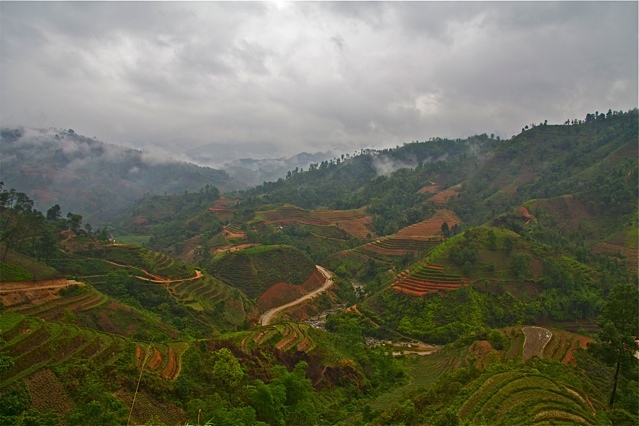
(268, 315)
(17, 286)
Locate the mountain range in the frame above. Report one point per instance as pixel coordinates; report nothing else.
(467, 281)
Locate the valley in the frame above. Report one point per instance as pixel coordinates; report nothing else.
(491, 282)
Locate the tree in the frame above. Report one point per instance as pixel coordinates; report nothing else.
(492, 240)
(520, 266)
(227, 370)
(445, 229)
(619, 322)
(74, 221)
(54, 213)
(509, 243)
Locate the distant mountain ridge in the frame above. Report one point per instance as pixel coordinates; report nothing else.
(92, 178)
(257, 171)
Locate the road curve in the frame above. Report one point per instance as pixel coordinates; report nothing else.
(268, 315)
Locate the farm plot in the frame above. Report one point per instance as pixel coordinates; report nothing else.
(354, 222)
(54, 310)
(630, 255)
(427, 279)
(36, 345)
(285, 337)
(431, 226)
(521, 397)
(422, 371)
(163, 359)
(400, 246)
(443, 197)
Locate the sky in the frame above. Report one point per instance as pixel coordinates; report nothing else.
(209, 82)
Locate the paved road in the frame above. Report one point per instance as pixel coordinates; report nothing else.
(268, 315)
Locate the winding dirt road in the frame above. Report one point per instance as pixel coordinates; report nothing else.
(268, 315)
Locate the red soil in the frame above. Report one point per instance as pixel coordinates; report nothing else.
(139, 355)
(304, 345)
(156, 360)
(385, 251)
(283, 293)
(524, 212)
(431, 226)
(357, 227)
(171, 370)
(577, 342)
(429, 189)
(286, 341)
(444, 196)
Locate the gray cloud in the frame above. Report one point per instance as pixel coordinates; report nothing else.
(236, 79)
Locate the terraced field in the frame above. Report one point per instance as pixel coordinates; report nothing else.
(422, 371)
(523, 397)
(200, 294)
(54, 310)
(35, 344)
(443, 197)
(427, 279)
(629, 255)
(400, 246)
(164, 359)
(431, 226)
(285, 337)
(154, 262)
(354, 222)
(560, 347)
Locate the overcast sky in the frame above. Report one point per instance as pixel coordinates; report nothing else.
(271, 79)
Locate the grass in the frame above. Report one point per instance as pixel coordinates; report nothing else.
(138, 240)
(18, 267)
(9, 320)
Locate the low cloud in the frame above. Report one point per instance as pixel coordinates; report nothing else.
(226, 80)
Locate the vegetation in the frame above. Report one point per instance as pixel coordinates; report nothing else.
(516, 258)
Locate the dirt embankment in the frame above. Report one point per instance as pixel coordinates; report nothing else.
(270, 314)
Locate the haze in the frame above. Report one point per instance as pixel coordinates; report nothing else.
(211, 82)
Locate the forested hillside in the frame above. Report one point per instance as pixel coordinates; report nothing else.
(468, 281)
(92, 178)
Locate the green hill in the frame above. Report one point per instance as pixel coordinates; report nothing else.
(254, 270)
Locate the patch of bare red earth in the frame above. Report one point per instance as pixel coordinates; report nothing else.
(30, 292)
(430, 227)
(172, 368)
(283, 293)
(443, 197)
(291, 337)
(433, 188)
(355, 225)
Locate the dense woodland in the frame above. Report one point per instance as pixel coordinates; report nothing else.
(463, 244)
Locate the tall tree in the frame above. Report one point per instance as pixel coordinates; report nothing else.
(619, 322)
